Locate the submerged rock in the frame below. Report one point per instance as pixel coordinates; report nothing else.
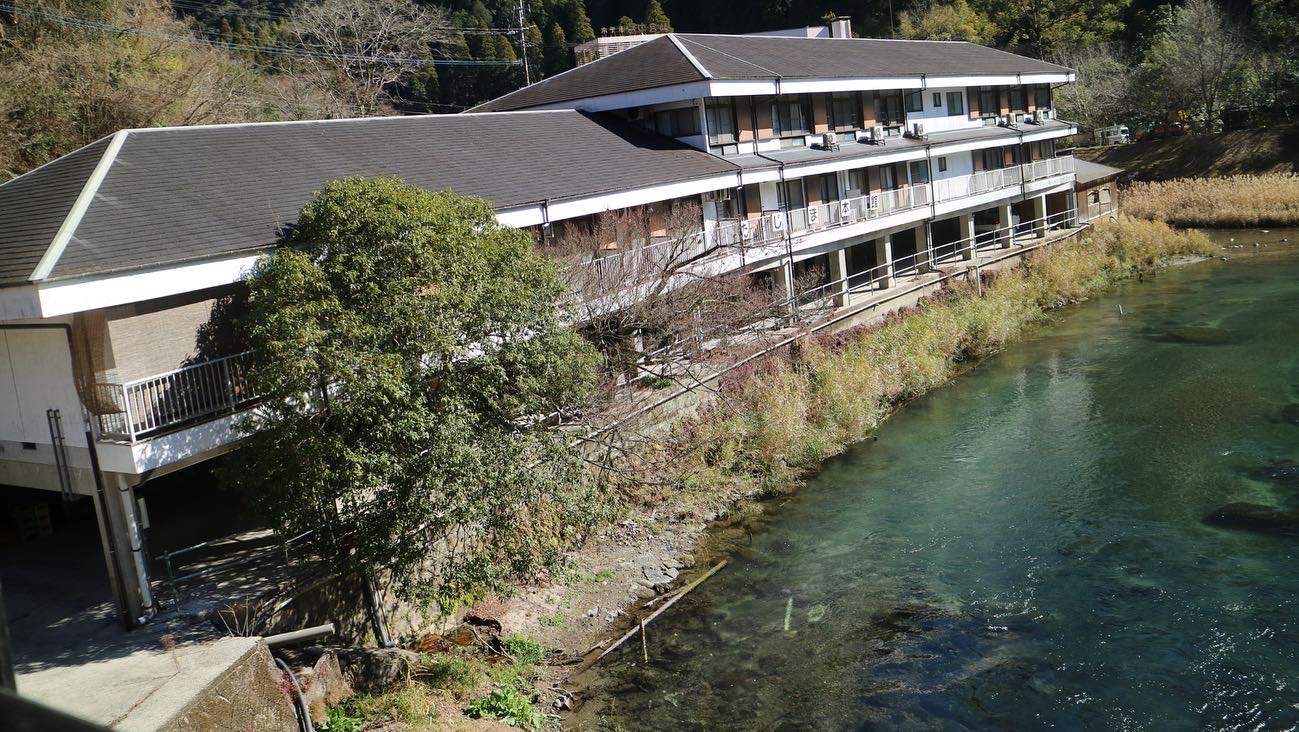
(1255, 517)
(1283, 473)
(1198, 335)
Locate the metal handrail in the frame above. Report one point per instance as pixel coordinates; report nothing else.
(153, 404)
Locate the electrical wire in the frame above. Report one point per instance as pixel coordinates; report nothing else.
(273, 50)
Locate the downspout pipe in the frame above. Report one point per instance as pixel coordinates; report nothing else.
(101, 494)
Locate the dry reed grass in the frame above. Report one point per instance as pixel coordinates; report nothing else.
(799, 408)
(1234, 201)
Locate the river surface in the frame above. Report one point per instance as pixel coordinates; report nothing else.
(1029, 546)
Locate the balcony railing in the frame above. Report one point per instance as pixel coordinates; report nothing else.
(641, 262)
(948, 189)
(150, 406)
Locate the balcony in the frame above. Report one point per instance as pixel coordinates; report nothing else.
(155, 405)
(950, 189)
(855, 210)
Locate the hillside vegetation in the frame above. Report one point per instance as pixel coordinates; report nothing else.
(1243, 152)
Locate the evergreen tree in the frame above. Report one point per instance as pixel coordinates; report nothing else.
(582, 30)
(536, 53)
(557, 51)
(656, 19)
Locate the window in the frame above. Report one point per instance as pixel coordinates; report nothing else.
(989, 102)
(845, 112)
(789, 118)
(1105, 194)
(992, 158)
(919, 172)
(888, 109)
(915, 102)
(857, 185)
(1042, 97)
(677, 122)
(942, 165)
(1093, 197)
(955, 103)
(938, 99)
(792, 195)
(829, 187)
(888, 178)
(721, 122)
(1017, 103)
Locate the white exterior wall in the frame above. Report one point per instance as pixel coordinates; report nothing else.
(958, 164)
(940, 118)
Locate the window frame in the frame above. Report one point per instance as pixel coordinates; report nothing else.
(989, 110)
(942, 164)
(1041, 93)
(853, 100)
(923, 167)
(778, 129)
(1013, 92)
(913, 102)
(716, 109)
(955, 103)
(938, 100)
(882, 104)
(674, 117)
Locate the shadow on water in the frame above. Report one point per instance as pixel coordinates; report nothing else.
(1093, 530)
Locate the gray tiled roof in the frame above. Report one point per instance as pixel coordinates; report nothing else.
(1088, 172)
(660, 63)
(33, 207)
(177, 194)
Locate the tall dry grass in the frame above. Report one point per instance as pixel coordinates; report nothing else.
(1235, 201)
(782, 419)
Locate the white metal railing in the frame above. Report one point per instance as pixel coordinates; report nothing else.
(641, 261)
(948, 189)
(158, 403)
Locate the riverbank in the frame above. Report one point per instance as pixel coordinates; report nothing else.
(770, 429)
(1234, 202)
(1274, 150)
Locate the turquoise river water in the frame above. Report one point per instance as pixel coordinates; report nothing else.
(1096, 529)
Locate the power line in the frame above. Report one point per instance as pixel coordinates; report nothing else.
(275, 50)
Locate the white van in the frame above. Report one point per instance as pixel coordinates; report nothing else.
(1114, 135)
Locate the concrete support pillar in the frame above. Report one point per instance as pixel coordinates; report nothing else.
(128, 560)
(1039, 217)
(966, 229)
(839, 276)
(1005, 219)
(884, 256)
(925, 239)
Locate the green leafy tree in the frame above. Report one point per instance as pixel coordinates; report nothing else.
(656, 18)
(954, 21)
(536, 51)
(408, 350)
(1042, 27)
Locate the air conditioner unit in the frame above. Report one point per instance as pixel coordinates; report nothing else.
(877, 135)
(1004, 121)
(918, 130)
(830, 141)
(1039, 116)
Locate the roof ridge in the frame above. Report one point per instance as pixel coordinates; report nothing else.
(73, 218)
(737, 58)
(585, 66)
(689, 56)
(333, 120)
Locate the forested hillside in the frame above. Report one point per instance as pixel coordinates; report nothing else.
(72, 71)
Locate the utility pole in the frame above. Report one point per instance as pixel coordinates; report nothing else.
(523, 44)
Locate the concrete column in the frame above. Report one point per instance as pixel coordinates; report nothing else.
(1039, 217)
(884, 256)
(925, 237)
(129, 561)
(839, 275)
(1004, 220)
(966, 229)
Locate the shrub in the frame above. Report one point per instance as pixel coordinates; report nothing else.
(507, 704)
